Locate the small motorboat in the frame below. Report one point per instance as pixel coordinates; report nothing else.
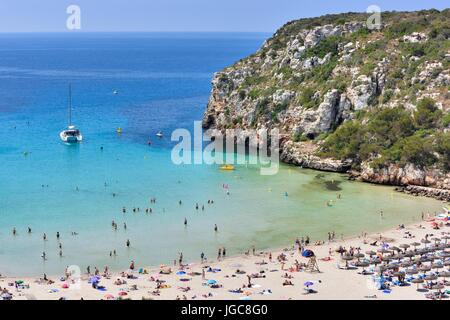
(115, 92)
(159, 134)
(119, 130)
(227, 167)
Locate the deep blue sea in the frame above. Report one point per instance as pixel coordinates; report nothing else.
(163, 83)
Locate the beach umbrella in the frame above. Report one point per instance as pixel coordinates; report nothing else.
(385, 258)
(406, 264)
(444, 254)
(392, 266)
(409, 254)
(363, 264)
(358, 255)
(411, 271)
(430, 277)
(399, 274)
(404, 246)
(446, 238)
(437, 265)
(415, 244)
(394, 248)
(371, 253)
(425, 268)
(438, 287)
(425, 241)
(308, 283)
(347, 258)
(444, 274)
(397, 256)
(211, 281)
(375, 261)
(122, 293)
(109, 296)
(417, 281)
(382, 251)
(94, 279)
(436, 240)
(446, 263)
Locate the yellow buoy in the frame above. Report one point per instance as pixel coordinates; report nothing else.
(119, 130)
(227, 167)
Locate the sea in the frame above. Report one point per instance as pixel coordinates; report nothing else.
(162, 83)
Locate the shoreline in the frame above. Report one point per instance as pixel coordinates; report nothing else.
(344, 284)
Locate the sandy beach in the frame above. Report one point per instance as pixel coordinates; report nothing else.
(267, 276)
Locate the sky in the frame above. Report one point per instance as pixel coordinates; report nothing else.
(182, 15)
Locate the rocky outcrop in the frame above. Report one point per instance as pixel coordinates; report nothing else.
(302, 155)
(309, 78)
(440, 194)
(404, 176)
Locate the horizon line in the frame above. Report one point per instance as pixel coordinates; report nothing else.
(132, 31)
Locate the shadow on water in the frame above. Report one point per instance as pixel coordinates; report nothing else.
(329, 185)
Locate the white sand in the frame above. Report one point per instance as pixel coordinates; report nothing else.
(334, 283)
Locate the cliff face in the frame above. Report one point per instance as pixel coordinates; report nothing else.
(314, 75)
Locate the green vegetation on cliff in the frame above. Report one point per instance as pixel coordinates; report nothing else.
(393, 135)
(380, 96)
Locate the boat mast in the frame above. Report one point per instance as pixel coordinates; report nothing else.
(70, 104)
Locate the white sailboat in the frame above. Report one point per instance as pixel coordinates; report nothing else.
(71, 134)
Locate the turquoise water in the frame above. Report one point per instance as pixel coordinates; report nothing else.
(163, 82)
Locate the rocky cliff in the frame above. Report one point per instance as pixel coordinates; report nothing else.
(316, 79)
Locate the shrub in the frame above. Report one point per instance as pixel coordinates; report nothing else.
(427, 114)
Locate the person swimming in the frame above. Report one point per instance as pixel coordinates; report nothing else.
(128, 243)
(215, 227)
(185, 222)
